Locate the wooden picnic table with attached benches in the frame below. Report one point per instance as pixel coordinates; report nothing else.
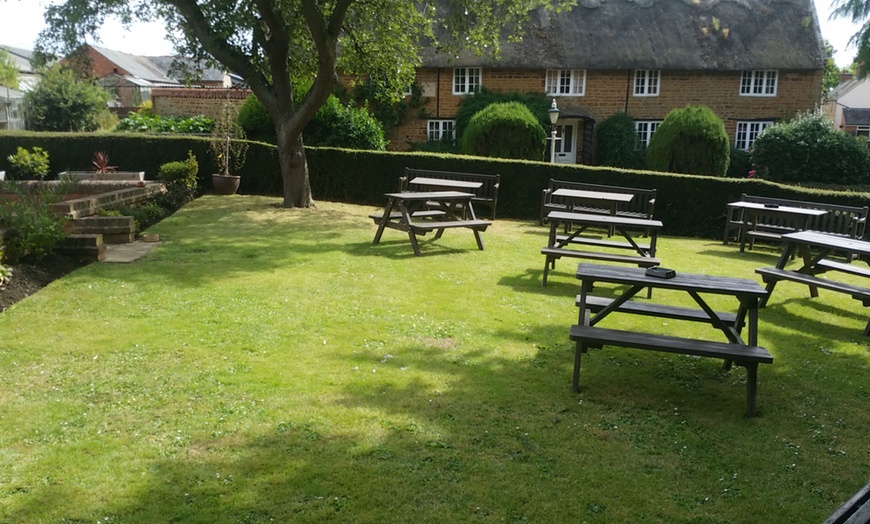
(824, 244)
(736, 350)
(405, 212)
(578, 223)
(484, 187)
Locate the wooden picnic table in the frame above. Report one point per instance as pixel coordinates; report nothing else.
(405, 212)
(768, 221)
(805, 242)
(593, 310)
(596, 199)
(578, 223)
(438, 184)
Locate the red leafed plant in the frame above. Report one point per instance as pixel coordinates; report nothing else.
(101, 162)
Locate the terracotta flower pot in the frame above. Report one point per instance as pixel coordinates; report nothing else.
(225, 184)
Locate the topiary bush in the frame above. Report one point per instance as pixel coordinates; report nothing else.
(690, 140)
(504, 130)
(180, 179)
(809, 149)
(470, 105)
(616, 142)
(256, 122)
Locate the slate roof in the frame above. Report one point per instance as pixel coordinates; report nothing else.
(20, 57)
(134, 65)
(663, 34)
(856, 117)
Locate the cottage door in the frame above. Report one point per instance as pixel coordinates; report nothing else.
(566, 144)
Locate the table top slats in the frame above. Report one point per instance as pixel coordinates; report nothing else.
(604, 220)
(429, 195)
(682, 281)
(823, 240)
(593, 195)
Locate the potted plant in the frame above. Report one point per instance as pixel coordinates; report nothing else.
(229, 148)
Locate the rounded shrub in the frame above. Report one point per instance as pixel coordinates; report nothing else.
(255, 120)
(616, 142)
(809, 149)
(504, 130)
(690, 140)
(337, 125)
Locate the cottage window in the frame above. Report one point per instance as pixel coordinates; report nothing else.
(566, 82)
(758, 83)
(863, 131)
(646, 82)
(645, 130)
(748, 132)
(440, 130)
(466, 80)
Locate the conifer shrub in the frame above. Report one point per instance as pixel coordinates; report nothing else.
(616, 143)
(504, 130)
(809, 149)
(690, 140)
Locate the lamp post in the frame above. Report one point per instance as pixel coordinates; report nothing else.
(554, 117)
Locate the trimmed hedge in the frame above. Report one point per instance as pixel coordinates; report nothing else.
(688, 205)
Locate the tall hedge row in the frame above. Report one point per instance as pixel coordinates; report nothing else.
(688, 205)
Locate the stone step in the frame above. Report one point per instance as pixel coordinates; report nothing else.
(83, 247)
(115, 230)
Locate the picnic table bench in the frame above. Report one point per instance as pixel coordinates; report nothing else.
(814, 264)
(735, 350)
(759, 217)
(640, 205)
(484, 187)
(559, 246)
(856, 510)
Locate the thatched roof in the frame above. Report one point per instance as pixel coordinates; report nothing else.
(663, 34)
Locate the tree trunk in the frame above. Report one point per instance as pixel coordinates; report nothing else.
(294, 171)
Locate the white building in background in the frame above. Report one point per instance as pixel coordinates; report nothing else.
(12, 115)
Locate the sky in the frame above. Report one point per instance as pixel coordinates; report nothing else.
(22, 21)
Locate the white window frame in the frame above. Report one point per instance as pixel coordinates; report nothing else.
(647, 82)
(565, 82)
(748, 132)
(645, 130)
(759, 82)
(467, 80)
(862, 131)
(438, 130)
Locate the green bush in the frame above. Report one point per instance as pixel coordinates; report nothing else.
(616, 142)
(62, 102)
(470, 105)
(29, 164)
(36, 230)
(740, 164)
(504, 130)
(690, 140)
(809, 149)
(336, 125)
(256, 122)
(180, 179)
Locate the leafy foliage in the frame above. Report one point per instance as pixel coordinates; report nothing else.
(101, 163)
(470, 105)
(338, 125)
(144, 122)
(690, 140)
(740, 165)
(30, 164)
(36, 229)
(8, 71)
(5, 272)
(62, 102)
(616, 142)
(809, 149)
(256, 122)
(180, 179)
(504, 130)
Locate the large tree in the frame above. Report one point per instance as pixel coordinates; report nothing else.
(859, 12)
(276, 44)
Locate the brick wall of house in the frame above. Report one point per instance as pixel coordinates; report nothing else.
(187, 102)
(610, 91)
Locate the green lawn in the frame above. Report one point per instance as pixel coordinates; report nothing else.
(271, 365)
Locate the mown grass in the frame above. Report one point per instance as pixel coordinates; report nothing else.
(271, 365)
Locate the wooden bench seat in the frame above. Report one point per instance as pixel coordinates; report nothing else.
(426, 213)
(554, 253)
(772, 275)
(745, 356)
(596, 304)
(479, 225)
(600, 242)
(852, 269)
(856, 510)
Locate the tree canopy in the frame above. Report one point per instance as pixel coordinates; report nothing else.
(274, 45)
(859, 12)
(8, 71)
